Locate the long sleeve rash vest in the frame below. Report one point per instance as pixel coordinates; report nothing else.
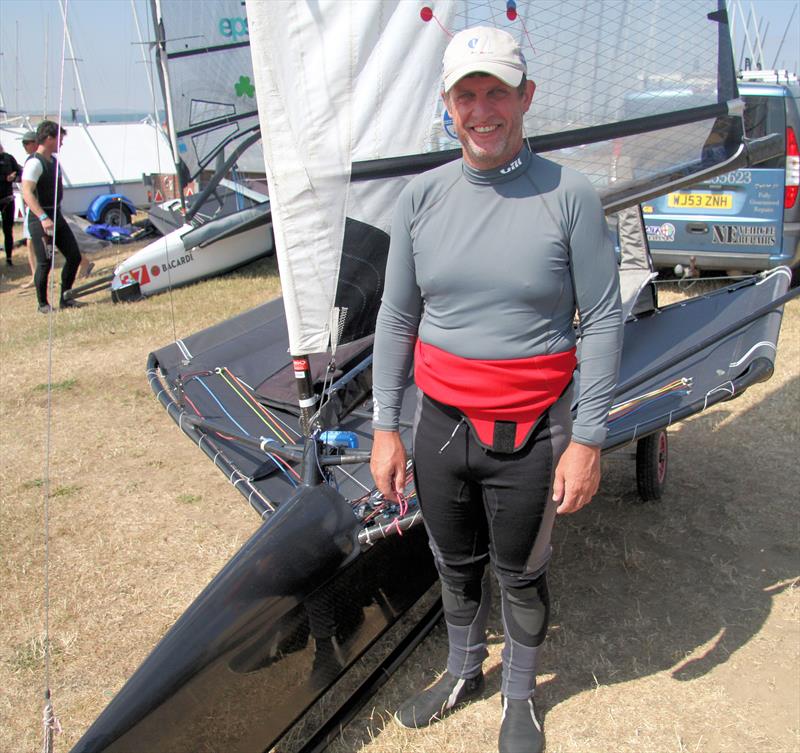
(494, 265)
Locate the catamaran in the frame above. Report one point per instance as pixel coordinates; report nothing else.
(334, 586)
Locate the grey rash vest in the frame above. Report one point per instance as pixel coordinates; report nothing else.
(493, 265)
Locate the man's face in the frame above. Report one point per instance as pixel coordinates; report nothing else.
(29, 146)
(487, 116)
(53, 143)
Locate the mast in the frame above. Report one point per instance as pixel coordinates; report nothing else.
(146, 60)
(16, 73)
(783, 39)
(759, 49)
(74, 61)
(160, 45)
(746, 41)
(46, 48)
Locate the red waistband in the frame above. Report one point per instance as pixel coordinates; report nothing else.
(502, 398)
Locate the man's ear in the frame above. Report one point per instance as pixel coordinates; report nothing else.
(530, 88)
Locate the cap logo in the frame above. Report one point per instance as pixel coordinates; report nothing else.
(473, 43)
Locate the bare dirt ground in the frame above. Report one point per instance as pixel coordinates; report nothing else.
(675, 627)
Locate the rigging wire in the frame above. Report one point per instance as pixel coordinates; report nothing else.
(152, 34)
(50, 723)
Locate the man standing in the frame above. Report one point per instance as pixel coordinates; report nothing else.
(9, 173)
(42, 191)
(490, 259)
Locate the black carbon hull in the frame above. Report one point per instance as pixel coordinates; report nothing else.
(280, 634)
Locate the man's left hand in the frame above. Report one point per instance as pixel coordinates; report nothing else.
(577, 477)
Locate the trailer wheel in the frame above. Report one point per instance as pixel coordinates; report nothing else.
(651, 465)
(116, 214)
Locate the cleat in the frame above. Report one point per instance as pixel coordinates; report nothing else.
(45, 308)
(520, 729)
(432, 704)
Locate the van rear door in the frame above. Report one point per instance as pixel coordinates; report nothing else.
(734, 220)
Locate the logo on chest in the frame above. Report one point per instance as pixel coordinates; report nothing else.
(513, 166)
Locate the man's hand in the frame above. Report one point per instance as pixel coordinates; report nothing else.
(11, 177)
(47, 226)
(577, 477)
(388, 463)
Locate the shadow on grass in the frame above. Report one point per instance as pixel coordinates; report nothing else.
(677, 585)
(682, 584)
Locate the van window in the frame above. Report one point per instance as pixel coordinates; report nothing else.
(762, 116)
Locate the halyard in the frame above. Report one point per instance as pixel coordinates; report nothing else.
(675, 626)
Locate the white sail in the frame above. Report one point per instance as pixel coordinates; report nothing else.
(316, 65)
(342, 82)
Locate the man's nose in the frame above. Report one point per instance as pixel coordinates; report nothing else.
(481, 107)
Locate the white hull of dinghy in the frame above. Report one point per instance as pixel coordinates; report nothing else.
(167, 263)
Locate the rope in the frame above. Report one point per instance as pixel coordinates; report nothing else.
(50, 724)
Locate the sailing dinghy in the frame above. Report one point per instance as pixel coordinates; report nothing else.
(205, 72)
(334, 586)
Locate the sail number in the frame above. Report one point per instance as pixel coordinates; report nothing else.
(700, 200)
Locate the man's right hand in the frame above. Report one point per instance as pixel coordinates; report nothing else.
(47, 226)
(388, 463)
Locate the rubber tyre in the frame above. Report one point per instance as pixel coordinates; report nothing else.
(116, 214)
(652, 453)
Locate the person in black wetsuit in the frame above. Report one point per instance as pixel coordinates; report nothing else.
(42, 191)
(9, 173)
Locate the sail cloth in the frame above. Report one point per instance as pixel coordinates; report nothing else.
(209, 81)
(336, 82)
(342, 82)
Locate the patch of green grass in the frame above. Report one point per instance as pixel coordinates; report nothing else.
(65, 491)
(189, 499)
(30, 655)
(34, 483)
(63, 386)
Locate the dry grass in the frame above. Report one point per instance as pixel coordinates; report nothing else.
(675, 625)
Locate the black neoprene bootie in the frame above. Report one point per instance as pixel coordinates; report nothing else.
(520, 731)
(70, 303)
(434, 703)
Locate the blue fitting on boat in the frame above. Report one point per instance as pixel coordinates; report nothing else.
(337, 438)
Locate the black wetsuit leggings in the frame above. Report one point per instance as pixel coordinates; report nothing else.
(66, 244)
(7, 210)
(481, 506)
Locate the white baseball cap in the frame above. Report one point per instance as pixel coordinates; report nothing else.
(483, 49)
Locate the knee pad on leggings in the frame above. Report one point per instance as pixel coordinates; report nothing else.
(526, 609)
(462, 597)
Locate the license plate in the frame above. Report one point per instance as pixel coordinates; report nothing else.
(700, 200)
